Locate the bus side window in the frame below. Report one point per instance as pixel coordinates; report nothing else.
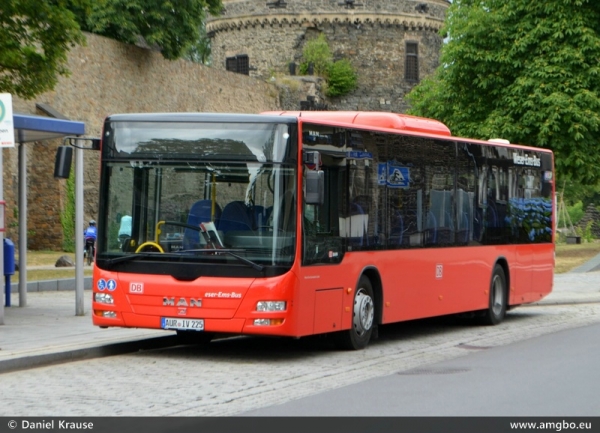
(320, 225)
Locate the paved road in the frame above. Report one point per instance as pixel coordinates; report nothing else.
(549, 376)
(238, 375)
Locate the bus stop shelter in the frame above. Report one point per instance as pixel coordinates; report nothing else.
(30, 128)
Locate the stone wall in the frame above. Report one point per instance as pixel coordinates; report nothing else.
(372, 36)
(109, 77)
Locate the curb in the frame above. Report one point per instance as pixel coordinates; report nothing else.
(562, 302)
(590, 266)
(51, 285)
(46, 359)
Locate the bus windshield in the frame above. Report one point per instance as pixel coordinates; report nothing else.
(185, 193)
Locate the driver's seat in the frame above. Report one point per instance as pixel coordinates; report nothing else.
(200, 212)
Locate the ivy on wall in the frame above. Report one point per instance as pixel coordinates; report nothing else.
(67, 217)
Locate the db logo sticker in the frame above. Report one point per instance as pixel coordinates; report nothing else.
(136, 288)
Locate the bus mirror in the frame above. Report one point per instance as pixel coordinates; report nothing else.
(62, 163)
(312, 159)
(314, 192)
(95, 143)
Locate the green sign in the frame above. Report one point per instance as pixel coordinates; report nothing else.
(7, 130)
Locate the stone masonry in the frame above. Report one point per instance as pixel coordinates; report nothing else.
(372, 35)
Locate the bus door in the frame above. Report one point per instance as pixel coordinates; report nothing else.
(323, 174)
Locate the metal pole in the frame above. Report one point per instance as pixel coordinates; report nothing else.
(79, 309)
(22, 225)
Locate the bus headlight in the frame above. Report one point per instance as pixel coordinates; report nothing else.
(109, 314)
(268, 322)
(103, 298)
(270, 306)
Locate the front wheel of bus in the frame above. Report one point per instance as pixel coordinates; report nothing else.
(498, 298)
(363, 318)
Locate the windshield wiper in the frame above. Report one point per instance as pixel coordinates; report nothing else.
(131, 257)
(178, 254)
(230, 252)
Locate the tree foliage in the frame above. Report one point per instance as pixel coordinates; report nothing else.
(173, 26)
(525, 71)
(35, 37)
(199, 51)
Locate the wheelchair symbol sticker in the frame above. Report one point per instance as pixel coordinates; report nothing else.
(101, 284)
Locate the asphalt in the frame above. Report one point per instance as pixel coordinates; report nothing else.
(47, 330)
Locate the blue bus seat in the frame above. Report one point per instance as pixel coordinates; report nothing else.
(235, 217)
(200, 212)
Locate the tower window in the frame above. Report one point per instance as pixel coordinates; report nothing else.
(411, 70)
(239, 64)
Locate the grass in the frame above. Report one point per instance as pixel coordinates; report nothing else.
(570, 256)
(567, 257)
(47, 258)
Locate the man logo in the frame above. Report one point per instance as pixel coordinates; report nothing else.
(182, 302)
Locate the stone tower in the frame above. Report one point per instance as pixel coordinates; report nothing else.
(392, 44)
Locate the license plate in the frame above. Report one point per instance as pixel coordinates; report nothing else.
(183, 324)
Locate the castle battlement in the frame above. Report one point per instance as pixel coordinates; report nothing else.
(392, 44)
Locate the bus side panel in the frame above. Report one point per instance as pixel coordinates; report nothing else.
(521, 274)
(427, 283)
(533, 273)
(416, 283)
(543, 270)
(542, 273)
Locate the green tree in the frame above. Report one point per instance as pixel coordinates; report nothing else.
(199, 51)
(35, 37)
(525, 71)
(173, 26)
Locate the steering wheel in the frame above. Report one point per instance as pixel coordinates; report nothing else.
(150, 247)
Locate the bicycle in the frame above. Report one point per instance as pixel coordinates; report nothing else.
(90, 249)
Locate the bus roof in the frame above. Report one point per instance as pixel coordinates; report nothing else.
(376, 119)
(197, 117)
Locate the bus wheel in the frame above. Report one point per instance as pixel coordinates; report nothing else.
(498, 298)
(363, 318)
(195, 337)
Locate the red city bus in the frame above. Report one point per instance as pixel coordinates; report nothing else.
(304, 223)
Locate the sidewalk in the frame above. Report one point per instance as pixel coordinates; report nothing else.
(47, 330)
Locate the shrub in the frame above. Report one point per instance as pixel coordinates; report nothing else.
(342, 78)
(586, 233)
(316, 51)
(575, 212)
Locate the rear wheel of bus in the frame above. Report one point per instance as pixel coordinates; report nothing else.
(363, 318)
(497, 298)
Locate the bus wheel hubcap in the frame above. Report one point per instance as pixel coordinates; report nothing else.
(497, 296)
(364, 312)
